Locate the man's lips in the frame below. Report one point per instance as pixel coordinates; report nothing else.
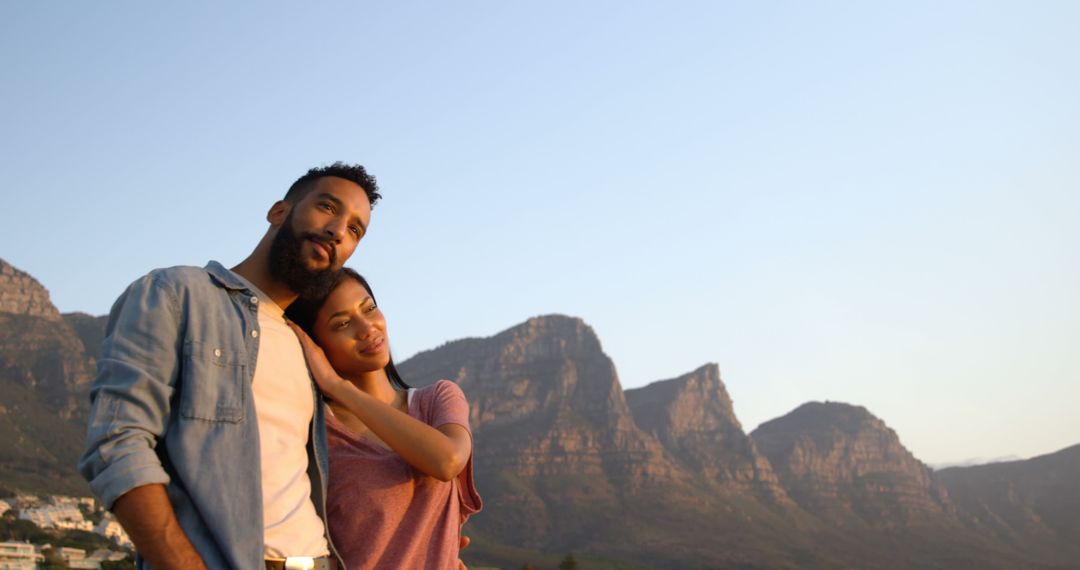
(324, 249)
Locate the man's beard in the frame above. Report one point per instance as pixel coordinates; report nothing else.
(288, 266)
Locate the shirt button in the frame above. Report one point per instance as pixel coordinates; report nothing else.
(254, 300)
(217, 352)
(254, 334)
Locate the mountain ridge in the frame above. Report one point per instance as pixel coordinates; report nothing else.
(660, 476)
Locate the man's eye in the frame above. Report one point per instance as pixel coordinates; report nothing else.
(327, 206)
(356, 231)
(370, 308)
(341, 324)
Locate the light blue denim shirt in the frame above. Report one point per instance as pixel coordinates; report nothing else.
(172, 404)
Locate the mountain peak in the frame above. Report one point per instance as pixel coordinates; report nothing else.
(819, 417)
(542, 368)
(694, 401)
(561, 334)
(833, 459)
(21, 294)
(692, 416)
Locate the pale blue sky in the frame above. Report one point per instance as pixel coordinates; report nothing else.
(863, 202)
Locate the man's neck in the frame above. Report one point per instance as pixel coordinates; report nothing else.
(256, 270)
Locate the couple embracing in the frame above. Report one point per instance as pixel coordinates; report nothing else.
(252, 417)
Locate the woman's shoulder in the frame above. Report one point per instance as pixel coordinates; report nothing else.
(441, 400)
(440, 389)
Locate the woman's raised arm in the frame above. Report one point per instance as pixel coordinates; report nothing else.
(439, 452)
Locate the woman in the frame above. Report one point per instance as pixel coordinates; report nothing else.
(400, 483)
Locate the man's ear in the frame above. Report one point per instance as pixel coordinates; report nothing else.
(278, 212)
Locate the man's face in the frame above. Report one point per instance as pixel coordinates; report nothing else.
(318, 235)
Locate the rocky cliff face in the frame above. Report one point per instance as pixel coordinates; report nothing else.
(845, 465)
(21, 294)
(693, 417)
(45, 374)
(39, 347)
(551, 423)
(1032, 504)
(566, 465)
(50, 359)
(90, 330)
(662, 476)
(665, 475)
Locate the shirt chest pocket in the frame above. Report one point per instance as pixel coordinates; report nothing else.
(212, 384)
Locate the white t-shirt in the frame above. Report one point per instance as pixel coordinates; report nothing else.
(284, 406)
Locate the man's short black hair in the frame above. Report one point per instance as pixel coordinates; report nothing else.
(351, 172)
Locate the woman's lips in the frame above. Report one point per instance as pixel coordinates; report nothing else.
(374, 347)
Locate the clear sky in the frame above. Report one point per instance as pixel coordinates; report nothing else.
(865, 202)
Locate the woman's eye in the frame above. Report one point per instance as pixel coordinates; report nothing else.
(341, 324)
(370, 308)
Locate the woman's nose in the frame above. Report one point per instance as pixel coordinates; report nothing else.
(363, 328)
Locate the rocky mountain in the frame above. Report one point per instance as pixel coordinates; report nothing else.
(566, 466)
(693, 418)
(845, 465)
(848, 468)
(555, 425)
(665, 476)
(45, 373)
(1031, 505)
(21, 294)
(662, 476)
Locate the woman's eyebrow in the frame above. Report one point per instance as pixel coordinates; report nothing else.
(345, 312)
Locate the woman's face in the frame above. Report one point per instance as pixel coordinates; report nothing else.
(352, 330)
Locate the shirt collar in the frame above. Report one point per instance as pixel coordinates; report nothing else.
(225, 278)
(234, 282)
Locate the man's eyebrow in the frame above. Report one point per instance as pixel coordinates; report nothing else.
(337, 202)
(346, 311)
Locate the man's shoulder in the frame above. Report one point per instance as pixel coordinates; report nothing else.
(177, 273)
(188, 275)
(182, 281)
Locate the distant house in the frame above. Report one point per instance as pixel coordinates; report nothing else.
(76, 558)
(23, 501)
(102, 555)
(64, 516)
(63, 500)
(18, 556)
(110, 528)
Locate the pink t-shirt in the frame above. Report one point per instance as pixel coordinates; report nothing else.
(383, 512)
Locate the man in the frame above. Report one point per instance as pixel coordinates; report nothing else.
(206, 437)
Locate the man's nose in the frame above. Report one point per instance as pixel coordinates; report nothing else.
(335, 229)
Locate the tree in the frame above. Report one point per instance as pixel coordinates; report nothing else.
(125, 564)
(53, 560)
(568, 563)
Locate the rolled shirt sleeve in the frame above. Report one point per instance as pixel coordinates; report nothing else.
(130, 397)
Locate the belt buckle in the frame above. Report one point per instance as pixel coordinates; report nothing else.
(299, 563)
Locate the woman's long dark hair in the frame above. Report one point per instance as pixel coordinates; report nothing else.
(303, 312)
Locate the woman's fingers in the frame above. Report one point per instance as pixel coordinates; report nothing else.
(305, 340)
(325, 375)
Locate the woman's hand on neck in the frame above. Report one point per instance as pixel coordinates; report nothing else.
(376, 384)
